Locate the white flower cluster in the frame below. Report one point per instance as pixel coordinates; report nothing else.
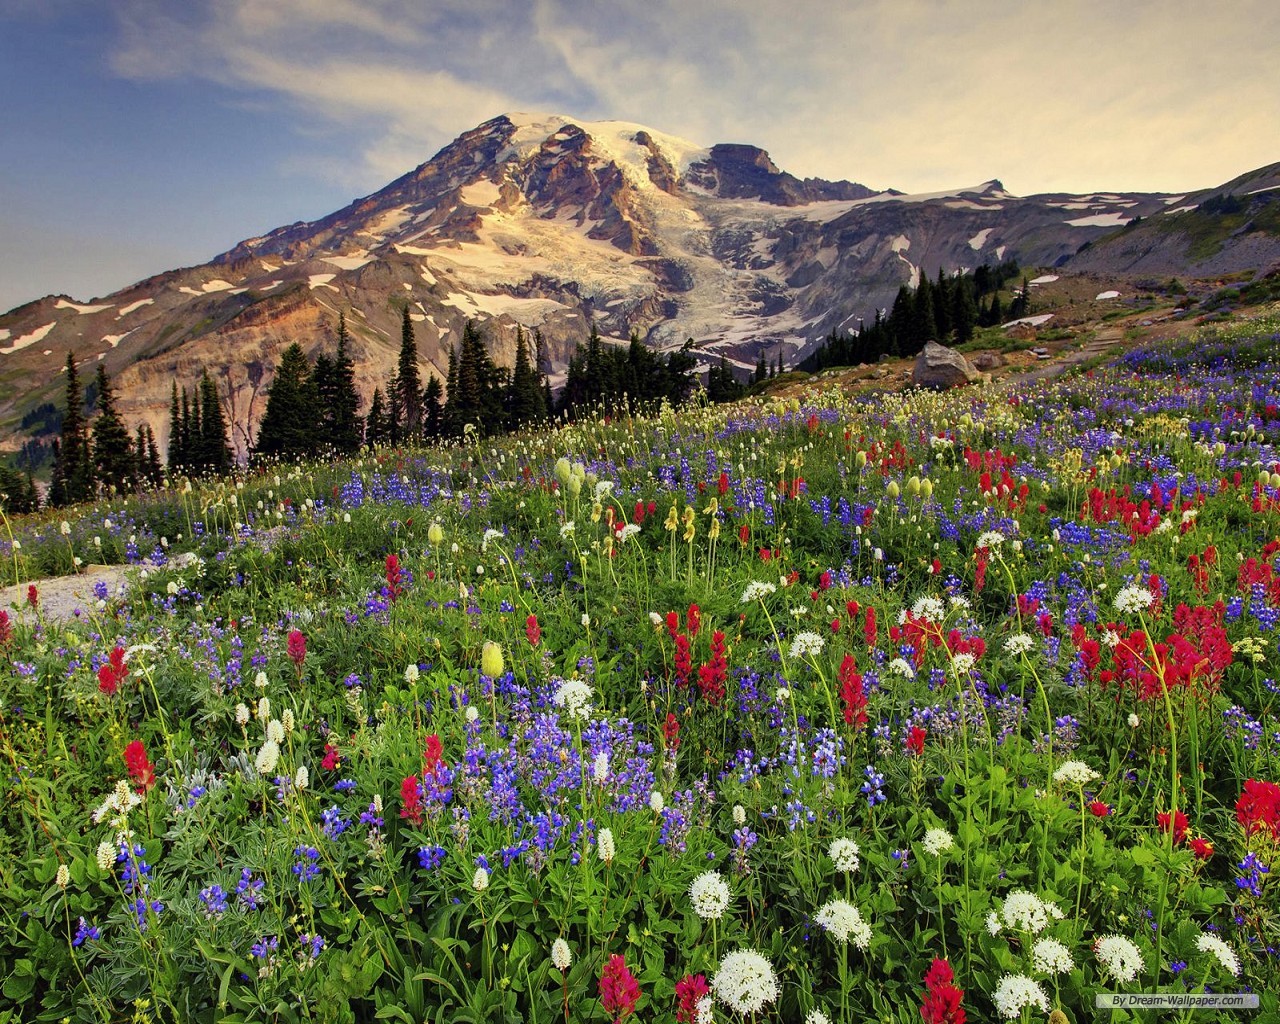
(1027, 912)
(574, 697)
(1119, 957)
(605, 846)
(807, 644)
(1134, 599)
(1220, 951)
(1019, 643)
(1017, 992)
(560, 955)
(990, 539)
(937, 841)
(745, 981)
(120, 802)
(844, 923)
(710, 896)
(901, 667)
(757, 591)
(930, 608)
(1075, 773)
(627, 532)
(1049, 956)
(844, 855)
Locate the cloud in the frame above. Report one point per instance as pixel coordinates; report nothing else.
(915, 94)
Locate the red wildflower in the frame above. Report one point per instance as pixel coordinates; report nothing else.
(722, 485)
(33, 597)
(690, 989)
(694, 618)
(297, 648)
(113, 673)
(1180, 825)
(141, 770)
(851, 693)
(981, 557)
(869, 628)
(1202, 848)
(331, 757)
(744, 533)
(673, 624)
(683, 659)
(394, 577)
(711, 676)
(1099, 809)
(671, 732)
(532, 630)
(432, 755)
(619, 991)
(6, 629)
(1259, 807)
(915, 740)
(941, 1004)
(411, 799)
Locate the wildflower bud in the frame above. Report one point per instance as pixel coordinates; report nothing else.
(1275, 480)
(411, 674)
(656, 802)
(286, 719)
(574, 486)
(560, 955)
(739, 815)
(435, 534)
(491, 661)
(242, 715)
(860, 460)
(913, 486)
(892, 489)
(106, 855)
(480, 880)
(63, 877)
(563, 471)
(926, 488)
(264, 707)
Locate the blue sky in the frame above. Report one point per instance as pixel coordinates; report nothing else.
(143, 135)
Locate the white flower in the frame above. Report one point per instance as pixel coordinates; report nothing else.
(264, 708)
(964, 663)
(739, 814)
(260, 681)
(275, 731)
(480, 880)
(1075, 773)
(844, 854)
(702, 1011)
(843, 922)
(63, 878)
(656, 803)
(817, 1017)
(1025, 911)
(757, 591)
(574, 696)
(1049, 956)
(411, 674)
(603, 489)
(627, 532)
(937, 840)
(930, 608)
(1119, 957)
(604, 845)
(993, 923)
(1110, 638)
(267, 758)
(1016, 992)
(745, 981)
(990, 539)
(1220, 951)
(488, 536)
(807, 644)
(1134, 720)
(242, 715)
(65, 528)
(106, 855)
(472, 713)
(783, 694)
(286, 719)
(901, 667)
(600, 767)
(567, 529)
(709, 895)
(301, 778)
(1019, 643)
(586, 620)
(1133, 599)
(560, 955)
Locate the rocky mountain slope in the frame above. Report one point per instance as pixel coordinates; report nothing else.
(554, 224)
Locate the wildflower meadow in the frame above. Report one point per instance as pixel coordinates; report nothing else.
(845, 708)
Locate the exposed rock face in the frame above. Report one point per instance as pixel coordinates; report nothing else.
(940, 368)
(550, 224)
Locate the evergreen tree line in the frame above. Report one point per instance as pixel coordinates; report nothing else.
(102, 457)
(631, 379)
(946, 310)
(198, 432)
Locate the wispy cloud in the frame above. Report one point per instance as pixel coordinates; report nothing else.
(910, 93)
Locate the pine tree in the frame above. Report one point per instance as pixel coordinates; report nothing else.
(323, 385)
(74, 458)
(762, 370)
(409, 384)
(176, 454)
(346, 411)
(525, 402)
(112, 447)
(964, 310)
(432, 407)
(288, 425)
(186, 436)
(215, 449)
(375, 424)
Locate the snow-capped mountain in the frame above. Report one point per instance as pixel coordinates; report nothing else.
(551, 223)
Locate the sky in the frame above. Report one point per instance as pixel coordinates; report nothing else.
(144, 135)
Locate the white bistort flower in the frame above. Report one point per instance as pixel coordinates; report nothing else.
(844, 854)
(710, 896)
(901, 667)
(817, 1017)
(267, 758)
(106, 855)
(574, 697)
(604, 845)
(656, 802)
(1220, 951)
(1119, 957)
(1075, 773)
(807, 644)
(930, 608)
(600, 767)
(1049, 956)
(560, 955)
(990, 539)
(480, 880)
(1017, 992)
(844, 923)
(745, 981)
(757, 591)
(938, 840)
(1134, 599)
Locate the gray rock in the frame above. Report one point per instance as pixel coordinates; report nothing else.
(940, 368)
(987, 360)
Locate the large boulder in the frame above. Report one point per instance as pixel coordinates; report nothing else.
(987, 360)
(939, 368)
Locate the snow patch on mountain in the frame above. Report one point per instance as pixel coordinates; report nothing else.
(900, 244)
(1109, 294)
(39, 334)
(321, 281)
(64, 304)
(352, 262)
(480, 194)
(980, 239)
(1101, 220)
(133, 307)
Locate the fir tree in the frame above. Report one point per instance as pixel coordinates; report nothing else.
(288, 425)
(215, 449)
(408, 382)
(113, 456)
(432, 407)
(345, 432)
(176, 455)
(74, 466)
(762, 370)
(525, 401)
(375, 424)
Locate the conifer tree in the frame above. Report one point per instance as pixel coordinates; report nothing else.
(74, 465)
(375, 424)
(762, 370)
(346, 409)
(525, 402)
(215, 448)
(432, 407)
(408, 381)
(113, 456)
(176, 455)
(288, 425)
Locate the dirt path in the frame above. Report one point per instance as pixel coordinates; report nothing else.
(1049, 369)
(64, 598)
